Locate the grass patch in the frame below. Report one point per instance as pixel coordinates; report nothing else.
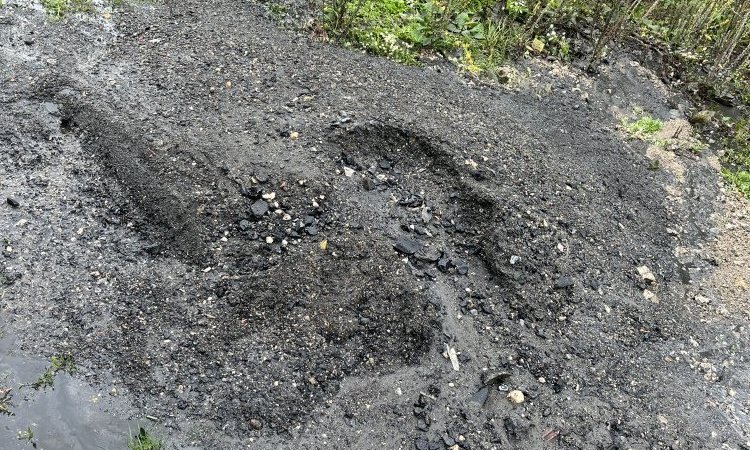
(59, 8)
(645, 126)
(144, 441)
(738, 146)
(739, 179)
(63, 363)
(737, 157)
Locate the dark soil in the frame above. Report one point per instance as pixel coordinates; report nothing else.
(265, 241)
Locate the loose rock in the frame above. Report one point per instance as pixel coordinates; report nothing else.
(407, 246)
(259, 208)
(646, 274)
(516, 397)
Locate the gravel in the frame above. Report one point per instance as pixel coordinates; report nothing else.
(154, 252)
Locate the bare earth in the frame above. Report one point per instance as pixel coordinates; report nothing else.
(248, 239)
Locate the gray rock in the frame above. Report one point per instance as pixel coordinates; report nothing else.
(407, 246)
(564, 282)
(259, 208)
(428, 254)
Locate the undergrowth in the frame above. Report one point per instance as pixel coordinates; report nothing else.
(708, 39)
(59, 8)
(704, 44)
(737, 158)
(477, 35)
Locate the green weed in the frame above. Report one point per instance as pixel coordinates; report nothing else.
(738, 146)
(63, 363)
(739, 179)
(644, 127)
(27, 435)
(737, 157)
(277, 10)
(57, 9)
(144, 441)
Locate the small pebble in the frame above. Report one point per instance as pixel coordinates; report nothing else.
(516, 397)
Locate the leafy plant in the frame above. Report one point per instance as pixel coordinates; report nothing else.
(57, 363)
(144, 441)
(737, 157)
(708, 40)
(644, 127)
(739, 179)
(58, 8)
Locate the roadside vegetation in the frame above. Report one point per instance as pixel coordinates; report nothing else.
(57, 9)
(6, 397)
(703, 45)
(705, 38)
(737, 157)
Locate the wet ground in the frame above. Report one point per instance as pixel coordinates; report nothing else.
(71, 414)
(256, 240)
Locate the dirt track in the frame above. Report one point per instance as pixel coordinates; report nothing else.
(261, 240)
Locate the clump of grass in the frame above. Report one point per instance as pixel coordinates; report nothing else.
(644, 127)
(63, 363)
(737, 157)
(59, 8)
(27, 435)
(739, 179)
(144, 441)
(738, 145)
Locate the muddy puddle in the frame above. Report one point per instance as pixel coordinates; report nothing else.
(69, 415)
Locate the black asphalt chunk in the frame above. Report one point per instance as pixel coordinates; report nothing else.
(407, 246)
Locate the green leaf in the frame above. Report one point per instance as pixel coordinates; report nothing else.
(537, 45)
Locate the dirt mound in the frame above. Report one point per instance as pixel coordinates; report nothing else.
(261, 240)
